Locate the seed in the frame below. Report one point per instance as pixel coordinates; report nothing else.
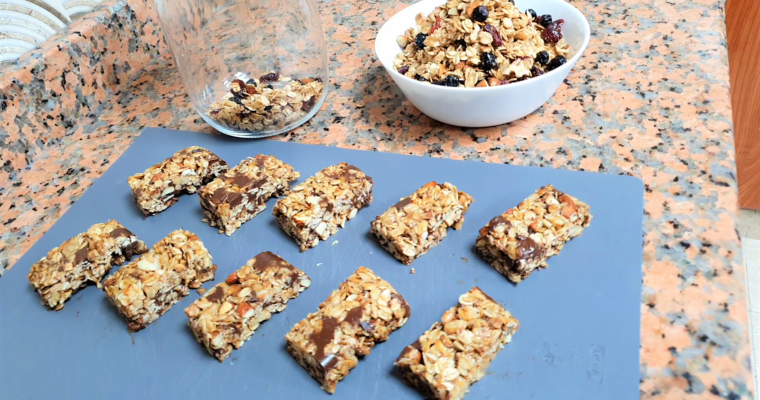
(556, 62)
(480, 14)
(542, 57)
(488, 61)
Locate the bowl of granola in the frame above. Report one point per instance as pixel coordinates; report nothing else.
(477, 63)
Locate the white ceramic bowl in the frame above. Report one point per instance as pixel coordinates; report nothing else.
(488, 106)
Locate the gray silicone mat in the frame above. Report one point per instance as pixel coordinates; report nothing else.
(580, 318)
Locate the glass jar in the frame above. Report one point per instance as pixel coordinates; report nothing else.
(252, 68)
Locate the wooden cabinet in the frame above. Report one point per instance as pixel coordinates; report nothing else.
(743, 25)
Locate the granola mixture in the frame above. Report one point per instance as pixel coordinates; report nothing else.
(316, 208)
(480, 43)
(417, 223)
(239, 194)
(230, 313)
(159, 186)
(148, 287)
(523, 238)
(86, 258)
(268, 103)
(363, 311)
(455, 353)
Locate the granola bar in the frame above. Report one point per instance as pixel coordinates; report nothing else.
(230, 313)
(239, 194)
(419, 222)
(159, 186)
(85, 258)
(480, 43)
(523, 238)
(455, 353)
(317, 207)
(148, 287)
(363, 311)
(271, 102)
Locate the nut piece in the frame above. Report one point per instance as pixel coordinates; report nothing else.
(239, 194)
(419, 222)
(523, 238)
(316, 208)
(230, 313)
(147, 288)
(83, 259)
(157, 188)
(363, 311)
(455, 353)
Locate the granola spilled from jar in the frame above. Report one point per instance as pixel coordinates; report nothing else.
(268, 103)
(480, 43)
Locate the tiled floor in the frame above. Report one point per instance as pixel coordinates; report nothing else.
(749, 228)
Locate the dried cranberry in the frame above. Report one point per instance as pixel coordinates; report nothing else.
(553, 32)
(437, 24)
(535, 71)
(497, 40)
(403, 70)
(531, 13)
(545, 20)
(556, 62)
(308, 104)
(488, 61)
(480, 14)
(460, 43)
(238, 89)
(419, 41)
(451, 81)
(270, 77)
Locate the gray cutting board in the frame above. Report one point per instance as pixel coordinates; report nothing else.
(580, 317)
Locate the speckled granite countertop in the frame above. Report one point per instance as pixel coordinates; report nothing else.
(650, 98)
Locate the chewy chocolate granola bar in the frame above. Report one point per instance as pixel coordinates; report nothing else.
(419, 222)
(316, 208)
(230, 313)
(239, 194)
(159, 186)
(85, 258)
(148, 287)
(520, 240)
(455, 353)
(363, 311)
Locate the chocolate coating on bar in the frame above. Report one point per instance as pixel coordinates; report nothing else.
(322, 339)
(81, 255)
(217, 295)
(267, 260)
(120, 232)
(403, 203)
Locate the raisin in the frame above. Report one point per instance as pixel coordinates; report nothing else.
(488, 61)
(545, 20)
(419, 41)
(531, 13)
(420, 78)
(318, 80)
(553, 31)
(269, 87)
(437, 83)
(480, 14)
(497, 40)
(307, 105)
(403, 70)
(268, 108)
(239, 89)
(270, 77)
(451, 81)
(535, 71)
(460, 43)
(556, 62)
(542, 57)
(251, 82)
(237, 100)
